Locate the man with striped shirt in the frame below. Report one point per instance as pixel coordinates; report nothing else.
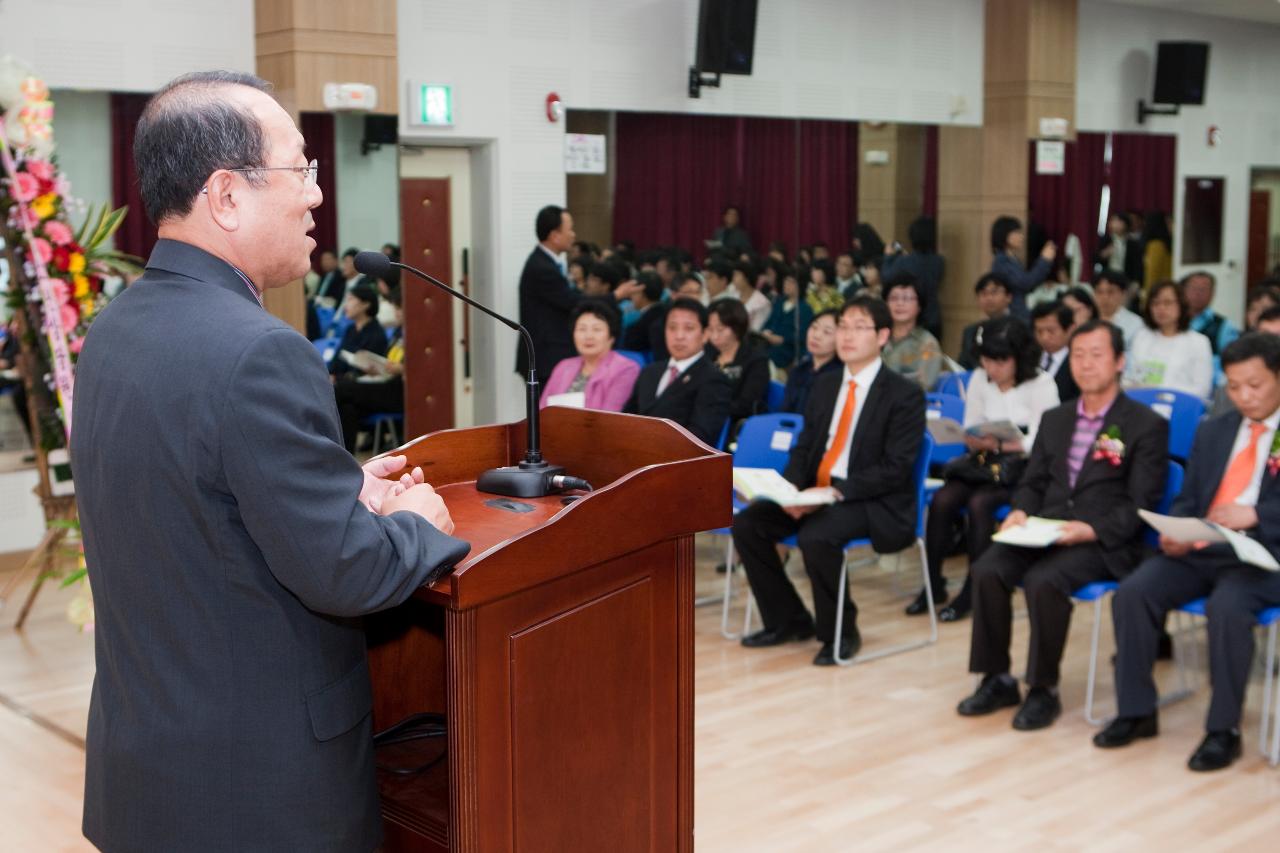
(1095, 462)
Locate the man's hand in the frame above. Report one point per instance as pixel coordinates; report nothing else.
(1017, 518)
(627, 289)
(1050, 251)
(422, 500)
(1076, 533)
(799, 512)
(1234, 516)
(1174, 548)
(376, 490)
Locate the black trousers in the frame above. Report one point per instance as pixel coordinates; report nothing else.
(359, 400)
(1236, 593)
(821, 536)
(19, 395)
(946, 506)
(1049, 576)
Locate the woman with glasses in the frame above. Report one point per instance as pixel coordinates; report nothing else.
(1167, 354)
(911, 351)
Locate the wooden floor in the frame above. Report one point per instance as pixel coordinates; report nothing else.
(790, 757)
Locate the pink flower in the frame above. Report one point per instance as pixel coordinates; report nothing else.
(41, 251)
(76, 345)
(41, 169)
(61, 292)
(25, 218)
(59, 232)
(70, 317)
(25, 187)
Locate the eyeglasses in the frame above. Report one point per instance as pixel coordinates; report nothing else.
(309, 173)
(857, 328)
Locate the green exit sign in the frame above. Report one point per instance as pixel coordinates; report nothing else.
(433, 105)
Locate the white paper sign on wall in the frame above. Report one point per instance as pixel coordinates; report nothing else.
(1051, 157)
(584, 154)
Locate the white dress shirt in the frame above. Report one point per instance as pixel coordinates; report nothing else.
(863, 378)
(1055, 360)
(1022, 405)
(1183, 362)
(681, 366)
(1129, 323)
(758, 309)
(1249, 497)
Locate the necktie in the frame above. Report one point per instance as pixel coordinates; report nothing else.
(1045, 361)
(672, 373)
(841, 437)
(1240, 471)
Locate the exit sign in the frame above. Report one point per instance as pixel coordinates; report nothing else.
(432, 105)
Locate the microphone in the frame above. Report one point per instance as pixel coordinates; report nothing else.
(534, 477)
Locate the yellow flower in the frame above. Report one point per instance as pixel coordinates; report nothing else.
(76, 263)
(86, 308)
(82, 285)
(43, 206)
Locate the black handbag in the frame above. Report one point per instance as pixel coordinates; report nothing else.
(986, 468)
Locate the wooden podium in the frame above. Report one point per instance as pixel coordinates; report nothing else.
(560, 650)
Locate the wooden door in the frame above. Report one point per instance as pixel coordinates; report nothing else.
(1259, 235)
(426, 243)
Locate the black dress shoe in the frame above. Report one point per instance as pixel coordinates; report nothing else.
(954, 612)
(992, 694)
(1123, 731)
(1039, 711)
(920, 606)
(776, 637)
(1216, 751)
(848, 648)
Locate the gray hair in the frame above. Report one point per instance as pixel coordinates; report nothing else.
(187, 132)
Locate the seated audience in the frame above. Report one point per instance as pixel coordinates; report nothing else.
(867, 244)
(603, 278)
(870, 480)
(685, 387)
(756, 303)
(1199, 287)
(819, 358)
(1007, 386)
(911, 350)
(1083, 308)
(578, 268)
(1110, 293)
(1164, 354)
(994, 296)
(646, 333)
(923, 262)
(848, 282)
(788, 321)
(1118, 251)
(741, 358)
(333, 284)
(872, 284)
(388, 307)
(717, 274)
(1226, 483)
(1006, 243)
(1052, 288)
(373, 391)
(690, 287)
(1267, 323)
(1262, 296)
(11, 378)
(1052, 323)
(603, 377)
(822, 290)
(364, 333)
(1094, 463)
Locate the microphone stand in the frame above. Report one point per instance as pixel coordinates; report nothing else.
(533, 477)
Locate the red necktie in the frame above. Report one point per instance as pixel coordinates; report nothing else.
(841, 438)
(1240, 472)
(671, 377)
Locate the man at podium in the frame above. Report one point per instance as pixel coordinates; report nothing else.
(232, 542)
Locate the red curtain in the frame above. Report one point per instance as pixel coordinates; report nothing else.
(794, 181)
(137, 235)
(317, 130)
(1141, 176)
(929, 192)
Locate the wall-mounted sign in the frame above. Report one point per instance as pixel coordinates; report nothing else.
(430, 105)
(1051, 157)
(877, 157)
(584, 154)
(1054, 128)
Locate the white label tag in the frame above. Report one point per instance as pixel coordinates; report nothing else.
(781, 440)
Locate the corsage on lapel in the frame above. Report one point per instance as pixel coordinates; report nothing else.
(1109, 447)
(1273, 458)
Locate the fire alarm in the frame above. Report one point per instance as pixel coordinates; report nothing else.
(1215, 135)
(555, 109)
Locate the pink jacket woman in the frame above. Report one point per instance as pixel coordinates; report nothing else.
(609, 386)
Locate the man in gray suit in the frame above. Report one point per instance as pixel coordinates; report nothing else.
(232, 542)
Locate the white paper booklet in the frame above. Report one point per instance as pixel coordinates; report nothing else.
(768, 484)
(1036, 533)
(1201, 530)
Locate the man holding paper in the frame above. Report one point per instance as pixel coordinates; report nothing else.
(863, 429)
(1231, 482)
(1094, 463)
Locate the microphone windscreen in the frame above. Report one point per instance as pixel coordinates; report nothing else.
(373, 264)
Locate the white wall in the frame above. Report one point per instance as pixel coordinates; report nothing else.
(82, 133)
(1116, 61)
(368, 188)
(911, 60)
(126, 45)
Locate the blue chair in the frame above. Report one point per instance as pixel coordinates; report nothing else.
(776, 392)
(325, 316)
(640, 358)
(328, 348)
(765, 441)
(1183, 411)
(339, 326)
(955, 384)
(723, 441)
(390, 421)
(940, 405)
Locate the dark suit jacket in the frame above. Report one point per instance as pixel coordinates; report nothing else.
(1133, 260)
(230, 559)
(648, 333)
(1105, 496)
(748, 376)
(1067, 388)
(546, 302)
(373, 337)
(698, 399)
(1210, 456)
(332, 286)
(885, 444)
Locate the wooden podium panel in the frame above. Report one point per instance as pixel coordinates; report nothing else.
(560, 650)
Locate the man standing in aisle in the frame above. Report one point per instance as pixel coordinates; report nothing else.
(232, 542)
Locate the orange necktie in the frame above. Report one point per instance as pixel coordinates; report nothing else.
(841, 438)
(1240, 471)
